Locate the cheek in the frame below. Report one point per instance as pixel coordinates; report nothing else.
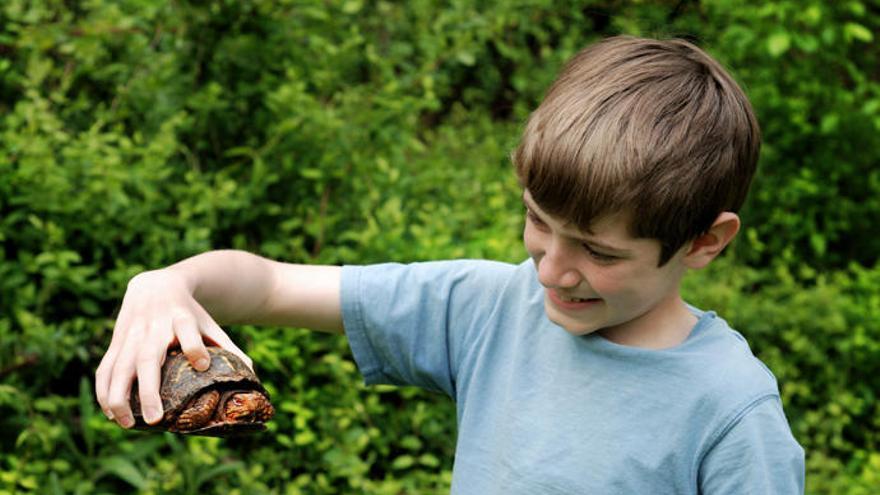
(608, 281)
(622, 283)
(632, 289)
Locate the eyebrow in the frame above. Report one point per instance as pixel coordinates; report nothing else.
(591, 242)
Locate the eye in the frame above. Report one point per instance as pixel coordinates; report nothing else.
(530, 215)
(600, 257)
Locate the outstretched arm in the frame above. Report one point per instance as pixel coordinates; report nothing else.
(184, 302)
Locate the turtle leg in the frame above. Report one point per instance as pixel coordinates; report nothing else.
(198, 412)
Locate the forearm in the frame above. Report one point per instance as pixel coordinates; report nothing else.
(240, 287)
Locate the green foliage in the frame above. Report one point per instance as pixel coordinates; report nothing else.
(135, 133)
(810, 71)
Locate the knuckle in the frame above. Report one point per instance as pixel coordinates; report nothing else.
(190, 342)
(146, 360)
(139, 278)
(118, 404)
(104, 366)
(102, 393)
(156, 327)
(183, 318)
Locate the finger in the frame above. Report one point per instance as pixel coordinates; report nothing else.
(213, 331)
(122, 376)
(103, 373)
(149, 367)
(102, 383)
(186, 329)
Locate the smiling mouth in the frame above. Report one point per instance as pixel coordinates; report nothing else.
(571, 302)
(578, 299)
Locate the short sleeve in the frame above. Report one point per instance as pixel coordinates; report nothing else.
(409, 324)
(757, 455)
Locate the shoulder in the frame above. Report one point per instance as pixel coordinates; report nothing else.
(729, 363)
(456, 287)
(730, 375)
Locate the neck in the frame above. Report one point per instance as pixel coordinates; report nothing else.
(665, 326)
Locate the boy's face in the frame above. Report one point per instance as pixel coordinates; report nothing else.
(605, 280)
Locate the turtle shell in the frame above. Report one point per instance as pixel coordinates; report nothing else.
(181, 383)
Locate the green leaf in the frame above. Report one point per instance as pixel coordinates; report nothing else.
(312, 173)
(217, 471)
(352, 6)
(829, 123)
(411, 442)
(403, 462)
(46, 404)
(86, 411)
(778, 43)
(429, 460)
(126, 471)
(466, 58)
(854, 31)
(812, 15)
(817, 241)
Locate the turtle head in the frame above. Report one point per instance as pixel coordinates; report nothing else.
(245, 407)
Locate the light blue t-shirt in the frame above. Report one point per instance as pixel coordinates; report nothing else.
(541, 411)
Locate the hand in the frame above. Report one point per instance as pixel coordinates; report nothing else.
(158, 310)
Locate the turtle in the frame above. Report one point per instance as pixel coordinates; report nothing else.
(227, 399)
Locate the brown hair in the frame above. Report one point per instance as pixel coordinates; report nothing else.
(655, 129)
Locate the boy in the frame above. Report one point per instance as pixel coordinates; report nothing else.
(580, 370)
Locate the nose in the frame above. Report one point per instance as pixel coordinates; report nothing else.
(556, 267)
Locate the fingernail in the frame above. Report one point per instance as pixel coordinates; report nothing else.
(108, 414)
(151, 415)
(202, 364)
(127, 422)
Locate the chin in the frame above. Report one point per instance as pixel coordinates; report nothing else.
(569, 324)
(579, 331)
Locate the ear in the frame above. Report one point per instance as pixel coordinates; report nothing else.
(707, 246)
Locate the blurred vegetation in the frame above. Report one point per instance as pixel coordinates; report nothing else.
(134, 133)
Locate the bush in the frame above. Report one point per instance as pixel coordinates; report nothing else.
(136, 133)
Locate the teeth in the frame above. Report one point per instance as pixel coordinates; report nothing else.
(571, 299)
